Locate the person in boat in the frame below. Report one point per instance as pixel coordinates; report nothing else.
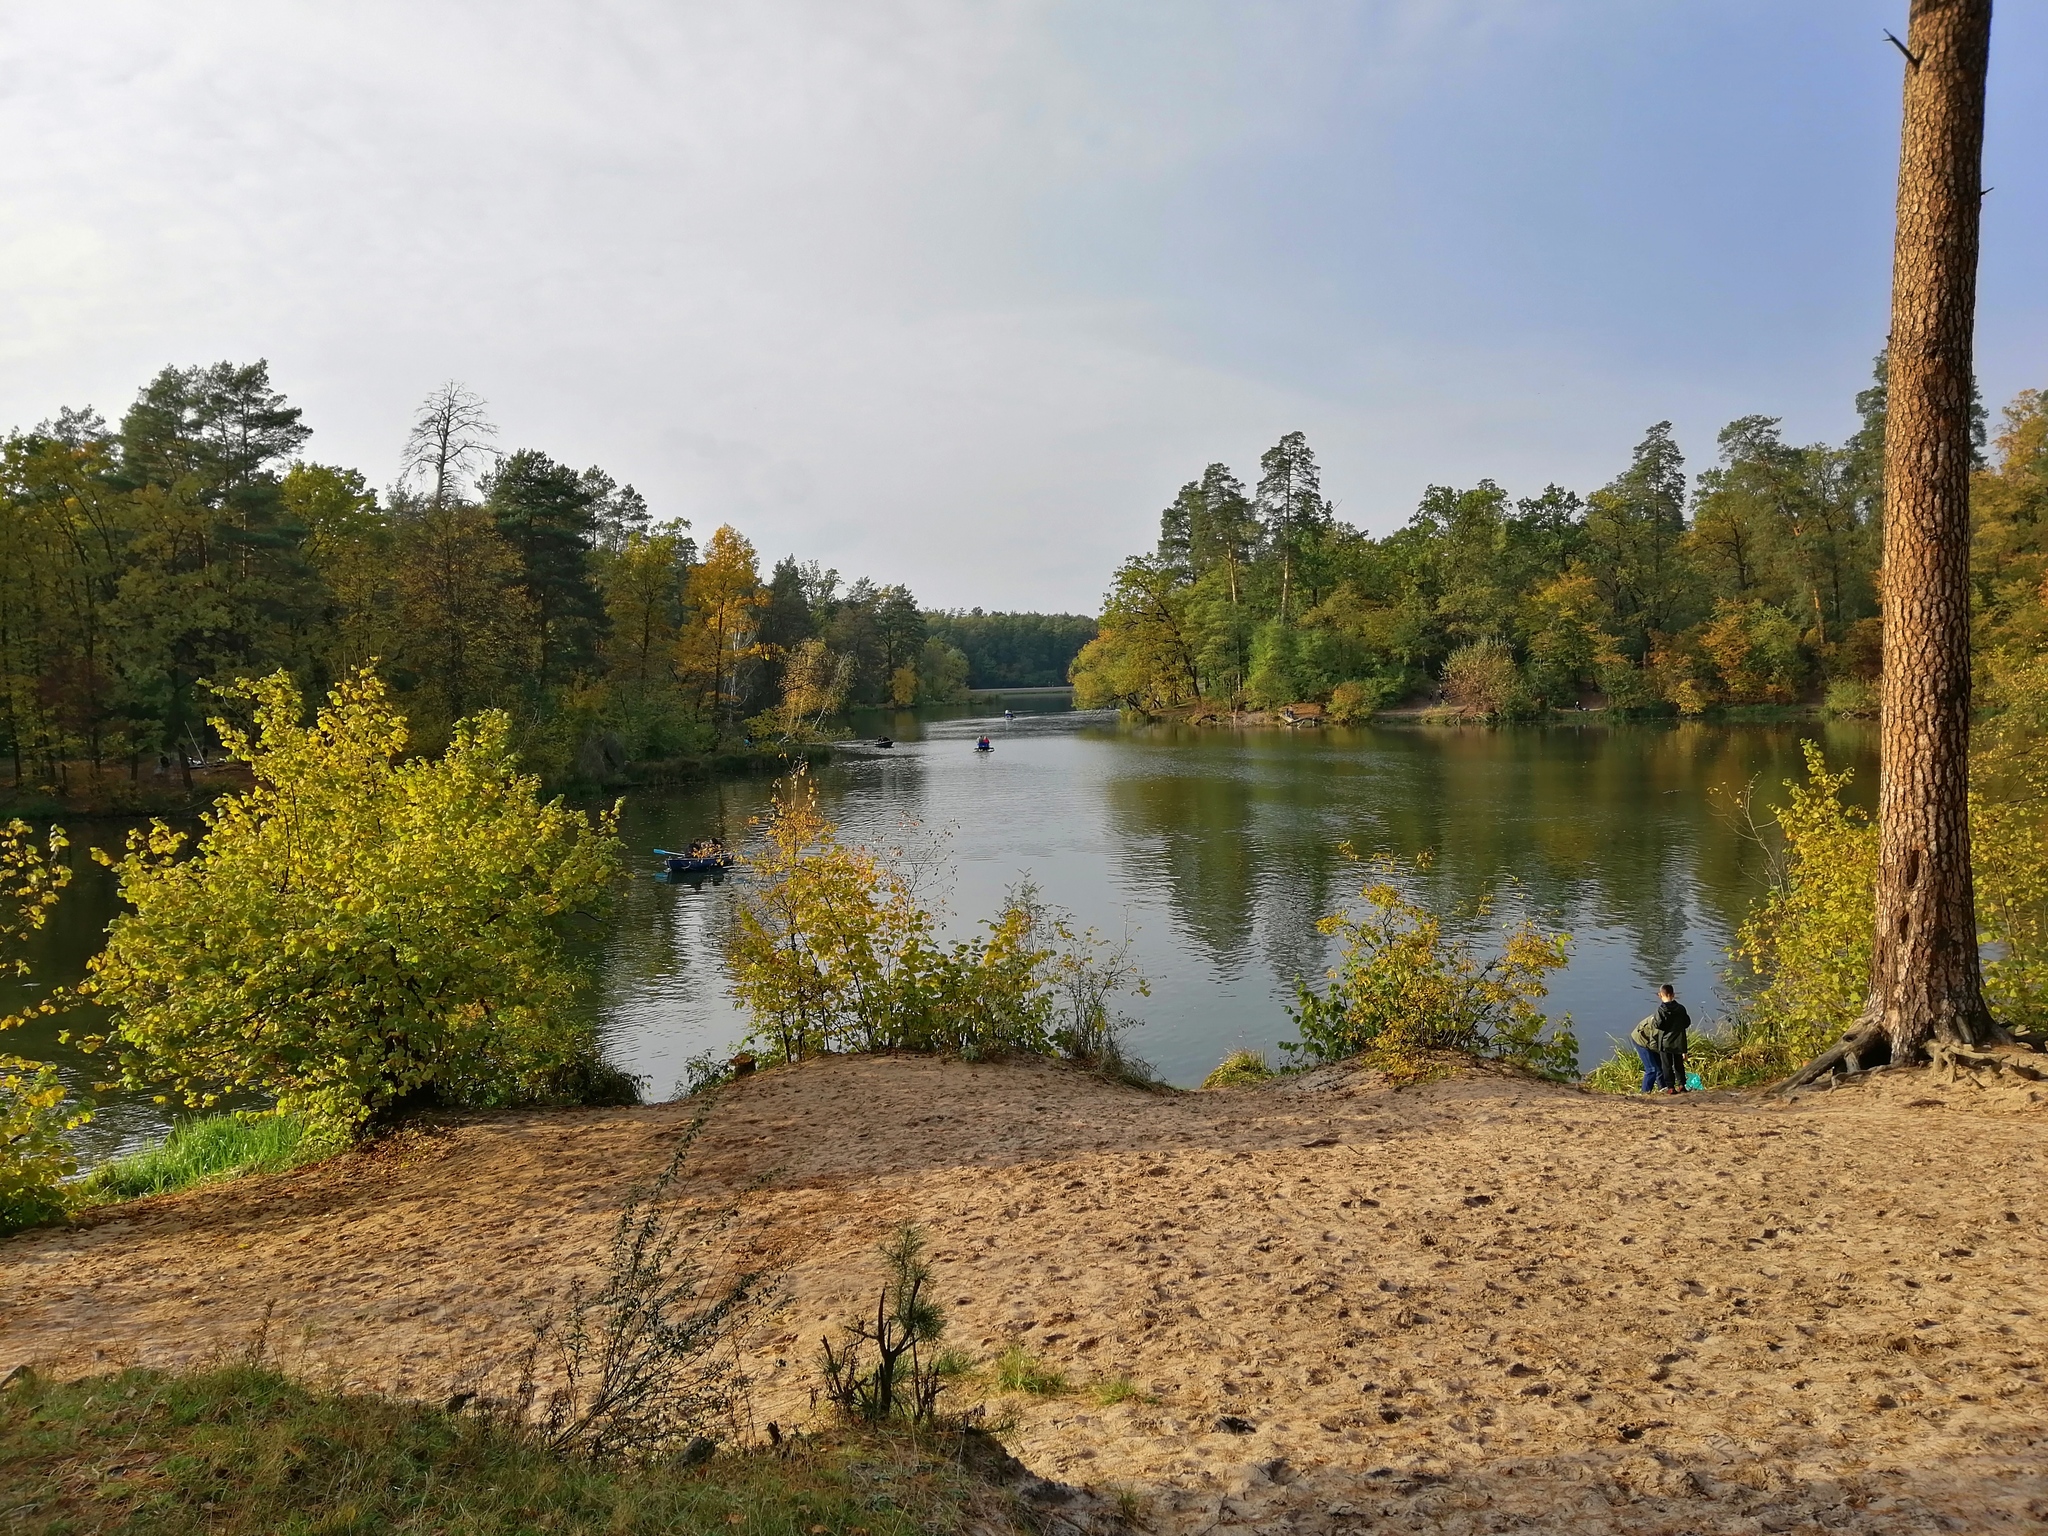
(984, 745)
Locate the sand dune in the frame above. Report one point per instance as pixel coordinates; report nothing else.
(1481, 1305)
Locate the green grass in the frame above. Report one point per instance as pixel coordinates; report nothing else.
(212, 1147)
(1111, 1390)
(1016, 1371)
(1238, 1068)
(1726, 1059)
(241, 1451)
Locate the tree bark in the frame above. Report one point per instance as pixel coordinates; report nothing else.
(1925, 983)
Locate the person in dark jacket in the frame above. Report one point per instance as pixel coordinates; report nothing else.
(1673, 1023)
(1660, 1042)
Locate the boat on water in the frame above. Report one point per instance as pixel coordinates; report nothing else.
(885, 741)
(702, 858)
(984, 745)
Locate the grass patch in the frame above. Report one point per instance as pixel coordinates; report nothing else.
(241, 1451)
(1016, 1371)
(1111, 1390)
(953, 1364)
(1723, 1058)
(211, 1147)
(1237, 1069)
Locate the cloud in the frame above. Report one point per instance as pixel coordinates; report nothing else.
(952, 294)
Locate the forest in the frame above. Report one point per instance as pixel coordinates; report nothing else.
(1749, 584)
(1014, 650)
(145, 563)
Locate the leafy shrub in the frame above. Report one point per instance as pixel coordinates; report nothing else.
(1483, 679)
(2009, 841)
(357, 932)
(1756, 652)
(832, 950)
(1630, 690)
(1356, 698)
(35, 1157)
(1405, 989)
(903, 1378)
(1802, 955)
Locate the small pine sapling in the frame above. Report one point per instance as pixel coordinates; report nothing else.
(908, 1369)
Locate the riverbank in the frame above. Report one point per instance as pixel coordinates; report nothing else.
(78, 792)
(1481, 1302)
(1436, 712)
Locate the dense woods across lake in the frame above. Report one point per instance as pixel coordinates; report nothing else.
(1753, 583)
(191, 543)
(1014, 650)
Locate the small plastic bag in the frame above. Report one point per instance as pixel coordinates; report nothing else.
(1693, 1083)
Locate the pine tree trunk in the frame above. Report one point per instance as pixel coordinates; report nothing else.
(1925, 984)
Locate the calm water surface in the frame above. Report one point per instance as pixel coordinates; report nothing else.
(1215, 851)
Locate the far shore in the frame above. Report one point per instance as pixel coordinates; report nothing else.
(1436, 712)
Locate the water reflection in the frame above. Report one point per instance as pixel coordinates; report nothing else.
(1215, 850)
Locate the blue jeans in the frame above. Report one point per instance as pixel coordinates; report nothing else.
(1656, 1070)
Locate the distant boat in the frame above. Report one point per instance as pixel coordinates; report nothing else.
(704, 857)
(884, 741)
(984, 745)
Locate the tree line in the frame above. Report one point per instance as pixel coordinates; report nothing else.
(1753, 582)
(191, 543)
(1014, 650)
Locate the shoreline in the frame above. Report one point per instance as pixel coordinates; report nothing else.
(1443, 715)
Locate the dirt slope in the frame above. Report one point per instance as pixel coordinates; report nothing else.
(1481, 1305)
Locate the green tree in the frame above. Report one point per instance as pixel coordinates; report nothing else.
(1296, 518)
(358, 931)
(1144, 656)
(466, 636)
(1633, 527)
(547, 513)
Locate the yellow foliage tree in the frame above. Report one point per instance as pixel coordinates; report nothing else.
(725, 598)
(358, 931)
(34, 1156)
(832, 950)
(1405, 989)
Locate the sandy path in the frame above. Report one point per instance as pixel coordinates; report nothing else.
(1482, 1305)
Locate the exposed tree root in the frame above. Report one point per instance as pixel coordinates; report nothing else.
(2018, 1061)
(1869, 1045)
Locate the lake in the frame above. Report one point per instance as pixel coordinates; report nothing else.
(1214, 850)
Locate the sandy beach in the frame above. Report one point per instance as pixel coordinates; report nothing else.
(1483, 1304)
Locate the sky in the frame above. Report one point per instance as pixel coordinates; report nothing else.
(958, 294)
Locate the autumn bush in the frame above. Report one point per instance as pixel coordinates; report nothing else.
(834, 949)
(35, 1111)
(1483, 678)
(359, 932)
(1408, 988)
